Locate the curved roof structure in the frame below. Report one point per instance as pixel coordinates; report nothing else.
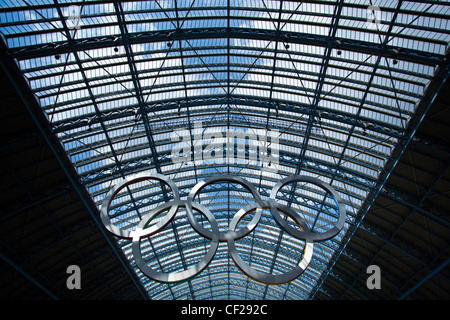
(335, 90)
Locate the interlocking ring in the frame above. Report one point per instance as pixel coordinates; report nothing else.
(125, 183)
(267, 278)
(231, 234)
(143, 231)
(178, 276)
(300, 234)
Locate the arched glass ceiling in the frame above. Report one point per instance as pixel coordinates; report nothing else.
(127, 85)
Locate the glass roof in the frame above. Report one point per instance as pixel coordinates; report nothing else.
(149, 86)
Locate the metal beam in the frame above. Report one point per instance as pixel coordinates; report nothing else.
(434, 88)
(318, 92)
(153, 55)
(397, 195)
(357, 179)
(26, 275)
(425, 279)
(136, 83)
(31, 104)
(143, 114)
(389, 130)
(269, 108)
(62, 47)
(375, 67)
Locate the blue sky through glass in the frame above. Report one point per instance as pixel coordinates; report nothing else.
(231, 83)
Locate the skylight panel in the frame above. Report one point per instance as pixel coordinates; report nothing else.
(357, 118)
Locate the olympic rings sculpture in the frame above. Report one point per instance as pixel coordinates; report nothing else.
(142, 231)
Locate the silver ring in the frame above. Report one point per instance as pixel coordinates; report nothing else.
(267, 278)
(230, 234)
(178, 276)
(300, 234)
(104, 211)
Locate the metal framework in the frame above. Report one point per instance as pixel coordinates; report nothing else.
(121, 82)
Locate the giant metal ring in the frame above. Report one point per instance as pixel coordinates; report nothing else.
(231, 234)
(267, 278)
(178, 276)
(143, 231)
(300, 234)
(104, 211)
